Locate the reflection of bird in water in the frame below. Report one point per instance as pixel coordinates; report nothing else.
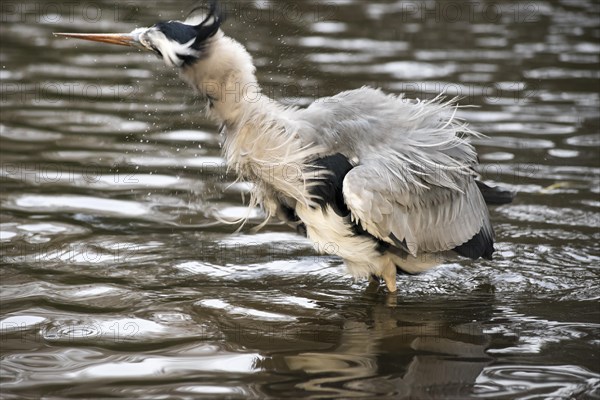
(381, 181)
(399, 352)
(421, 349)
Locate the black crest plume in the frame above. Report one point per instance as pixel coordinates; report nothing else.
(210, 25)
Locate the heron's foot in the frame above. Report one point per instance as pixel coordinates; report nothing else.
(391, 300)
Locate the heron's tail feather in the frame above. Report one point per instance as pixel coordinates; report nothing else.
(495, 195)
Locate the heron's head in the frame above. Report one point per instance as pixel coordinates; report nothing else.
(178, 43)
(214, 64)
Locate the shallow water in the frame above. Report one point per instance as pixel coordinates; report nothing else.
(118, 280)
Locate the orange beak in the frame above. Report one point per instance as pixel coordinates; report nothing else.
(122, 39)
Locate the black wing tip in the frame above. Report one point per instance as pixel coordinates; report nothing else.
(494, 194)
(479, 246)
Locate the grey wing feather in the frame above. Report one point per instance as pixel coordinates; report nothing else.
(418, 219)
(413, 182)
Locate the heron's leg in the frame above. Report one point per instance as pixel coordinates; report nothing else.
(374, 283)
(374, 279)
(389, 276)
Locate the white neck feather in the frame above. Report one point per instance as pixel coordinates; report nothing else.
(261, 144)
(226, 76)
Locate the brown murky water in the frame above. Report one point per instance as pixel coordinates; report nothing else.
(118, 280)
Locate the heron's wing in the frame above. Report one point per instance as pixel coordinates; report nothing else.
(412, 184)
(418, 210)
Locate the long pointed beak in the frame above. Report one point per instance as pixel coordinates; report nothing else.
(122, 39)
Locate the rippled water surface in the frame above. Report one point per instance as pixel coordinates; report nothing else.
(120, 280)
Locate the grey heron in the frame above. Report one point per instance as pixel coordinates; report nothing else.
(386, 183)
